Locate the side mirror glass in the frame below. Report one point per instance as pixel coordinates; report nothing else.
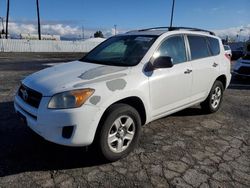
(163, 62)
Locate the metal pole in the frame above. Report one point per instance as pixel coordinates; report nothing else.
(83, 33)
(7, 18)
(2, 20)
(38, 19)
(115, 28)
(172, 14)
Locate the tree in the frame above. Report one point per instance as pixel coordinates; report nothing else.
(98, 34)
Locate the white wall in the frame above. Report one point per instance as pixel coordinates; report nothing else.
(14, 45)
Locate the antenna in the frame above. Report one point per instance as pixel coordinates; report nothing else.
(172, 14)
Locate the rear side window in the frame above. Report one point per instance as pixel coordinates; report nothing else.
(214, 46)
(198, 47)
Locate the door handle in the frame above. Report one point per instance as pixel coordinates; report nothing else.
(188, 71)
(215, 64)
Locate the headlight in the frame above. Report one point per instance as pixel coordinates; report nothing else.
(70, 99)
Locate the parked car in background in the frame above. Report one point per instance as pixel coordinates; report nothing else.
(237, 53)
(228, 51)
(125, 82)
(242, 67)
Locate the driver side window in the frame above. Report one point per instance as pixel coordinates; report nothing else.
(174, 47)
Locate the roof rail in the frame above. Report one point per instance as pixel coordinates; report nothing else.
(178, 28)
(154, 28)
(190, 29)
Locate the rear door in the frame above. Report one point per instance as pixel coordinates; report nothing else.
(204, 64)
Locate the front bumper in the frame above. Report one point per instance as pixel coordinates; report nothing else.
(49, 123)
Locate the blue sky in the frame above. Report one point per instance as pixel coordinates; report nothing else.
(131, 14)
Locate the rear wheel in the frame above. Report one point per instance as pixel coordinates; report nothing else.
(120, 132)
(214, 99)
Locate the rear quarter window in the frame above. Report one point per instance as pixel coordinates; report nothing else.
(198, 47)
(214, 46)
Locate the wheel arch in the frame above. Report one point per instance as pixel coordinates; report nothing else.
(133, 101)
(223, 79)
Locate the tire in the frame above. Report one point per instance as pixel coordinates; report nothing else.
(122, 125)
(214, 99)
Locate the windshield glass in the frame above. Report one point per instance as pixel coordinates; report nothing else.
(121, 50)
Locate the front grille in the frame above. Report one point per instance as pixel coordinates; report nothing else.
(30, 96)
(244, 70)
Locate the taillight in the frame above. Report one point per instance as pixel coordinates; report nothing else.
(228, 56)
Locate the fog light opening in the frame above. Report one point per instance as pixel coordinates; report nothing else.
(67, 131)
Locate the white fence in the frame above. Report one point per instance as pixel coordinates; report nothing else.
(14, 45)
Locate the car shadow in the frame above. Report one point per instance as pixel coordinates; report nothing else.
(21, 150)
(192, 111)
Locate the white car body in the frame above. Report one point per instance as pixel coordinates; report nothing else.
(114, 83)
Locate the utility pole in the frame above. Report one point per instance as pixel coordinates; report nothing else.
(2, 20)
(83, 33)
(172, 14)
(115, 29)
(38, 19)
(7, 18)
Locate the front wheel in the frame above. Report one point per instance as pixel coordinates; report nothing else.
(214, 99)
(120, 132)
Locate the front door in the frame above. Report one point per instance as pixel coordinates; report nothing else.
(170, 88)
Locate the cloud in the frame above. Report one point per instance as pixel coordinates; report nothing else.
(216, 10)
(62, 29)
(241, 12)
(72, 31)
(55, 29)
(243, 32)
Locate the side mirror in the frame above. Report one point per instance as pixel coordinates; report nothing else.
(163, 62)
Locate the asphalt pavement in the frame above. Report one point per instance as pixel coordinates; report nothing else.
(186, 149)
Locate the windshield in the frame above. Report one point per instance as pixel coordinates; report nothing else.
(121, 50)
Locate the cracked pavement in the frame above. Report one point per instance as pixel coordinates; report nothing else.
(186, 149)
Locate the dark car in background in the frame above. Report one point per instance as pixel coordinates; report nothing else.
(237, 53)
(242, 65)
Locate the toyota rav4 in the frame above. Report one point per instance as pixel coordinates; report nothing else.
(125, 82)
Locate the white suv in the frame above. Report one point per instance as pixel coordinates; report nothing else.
(127, 81)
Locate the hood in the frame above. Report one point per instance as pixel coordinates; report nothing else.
(73, 75)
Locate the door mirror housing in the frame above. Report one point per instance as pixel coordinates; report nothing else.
(163, 62)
